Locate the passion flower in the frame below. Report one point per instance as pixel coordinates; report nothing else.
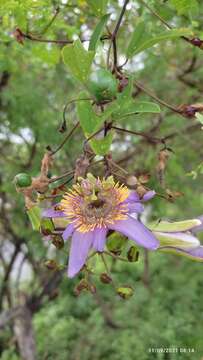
(92, 208)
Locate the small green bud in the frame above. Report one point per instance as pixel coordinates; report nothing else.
(125, 292)
(23, 180)
(133, 254)
(115, 243)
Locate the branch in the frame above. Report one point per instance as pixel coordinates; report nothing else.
(149, 138)
(21, 36)
(114, 34)
(153, 96)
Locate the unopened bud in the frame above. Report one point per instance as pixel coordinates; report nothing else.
(23, 180)
(83, 285)
(131, 180)
(92, 288)
(105, 278)
(125, 292)
(51, 265)
(196, 42)
(133, 254)
(58, 241)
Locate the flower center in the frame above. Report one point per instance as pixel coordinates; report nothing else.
(95, 203)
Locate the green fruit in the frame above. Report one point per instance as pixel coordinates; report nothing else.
(103, 85)
(23, 180)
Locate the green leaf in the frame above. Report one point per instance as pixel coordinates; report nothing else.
(89, 120)
(135, 48)
(125, 96)
(102, 146)
(177, 226)
(34, 214)
(91, 123)
(78, 60)
(144, 107)
(98, 6)
(131, 108)
(95, 38)
(139, 36)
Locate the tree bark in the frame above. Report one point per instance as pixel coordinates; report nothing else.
(24, 334)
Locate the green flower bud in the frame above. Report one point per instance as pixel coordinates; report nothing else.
(125, 292)
(23, 180)
(133, 254)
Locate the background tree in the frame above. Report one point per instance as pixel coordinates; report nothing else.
(40, 316)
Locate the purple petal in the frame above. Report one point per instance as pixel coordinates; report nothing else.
(99, 239)
(135, 208)
(199, 227)
(197, 253)
(80, 246)
(68, 231)
(149, 195)
(133, 197)
(51, 213)
(136, 231)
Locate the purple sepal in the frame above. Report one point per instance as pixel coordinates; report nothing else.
(68, 231)
(149, 195)
(51, 213)
(99, 238)
(136, 231)
(80, 246)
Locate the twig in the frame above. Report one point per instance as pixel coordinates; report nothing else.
(153, 96)
(57, 10)
(62, 176)
(115, 256)
(119, 19)
(139, 133)
(114, 34)
(65, 139)
(156, 14)
(58, 41)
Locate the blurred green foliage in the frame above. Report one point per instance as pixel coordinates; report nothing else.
(36, 87)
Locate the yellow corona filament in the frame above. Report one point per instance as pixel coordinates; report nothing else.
(95, 203)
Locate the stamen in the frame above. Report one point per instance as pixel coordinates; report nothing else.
(97, 204)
